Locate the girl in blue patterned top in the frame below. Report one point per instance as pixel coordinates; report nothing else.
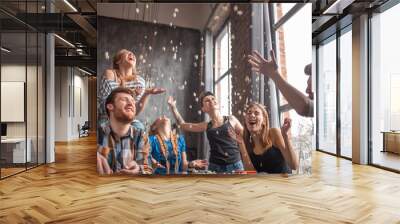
(123, 74)
(168, 149)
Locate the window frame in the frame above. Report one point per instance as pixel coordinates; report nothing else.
(370, 150)
(38, 36)
(275, 25)
(226, 27)
(334, 37)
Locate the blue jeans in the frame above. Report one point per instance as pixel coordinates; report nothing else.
(238, 166)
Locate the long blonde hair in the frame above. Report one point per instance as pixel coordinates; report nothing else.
(164, 150)
(116, 61)
(265, 136)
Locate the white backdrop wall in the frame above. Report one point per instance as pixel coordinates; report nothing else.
(71, 102)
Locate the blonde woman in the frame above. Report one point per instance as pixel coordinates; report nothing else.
(123, 74)
(168, 149)
(269, 149)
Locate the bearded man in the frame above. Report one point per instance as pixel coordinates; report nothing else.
(122, 148)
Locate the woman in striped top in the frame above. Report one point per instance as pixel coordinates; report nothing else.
(123, 74)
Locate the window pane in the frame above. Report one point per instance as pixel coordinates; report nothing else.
(41, 99)
(222, 86)
(222, 53)
(14, 153)
(31, 100)
(293, 44)
(385, 87)
(327, 97)
(293, 54)
(346, 94)
(223, 90)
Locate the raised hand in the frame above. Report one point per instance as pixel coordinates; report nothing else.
(171, 102)
(261, 65)
(287, 124)
(154, 90)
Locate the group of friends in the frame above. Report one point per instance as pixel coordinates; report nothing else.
(124, 146)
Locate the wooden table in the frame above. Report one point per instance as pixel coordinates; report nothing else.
(391, 141)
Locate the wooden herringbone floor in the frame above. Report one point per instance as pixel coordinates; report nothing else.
(70, 191)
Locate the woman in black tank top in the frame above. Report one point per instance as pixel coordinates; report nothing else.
(269, 149)
(222, 132)
(224, 150)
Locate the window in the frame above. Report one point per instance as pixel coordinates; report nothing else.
(293, 53)
(346, 93)
(222, 70)
(22, 65)
(334, 106)
(326, 101)
(385, 87)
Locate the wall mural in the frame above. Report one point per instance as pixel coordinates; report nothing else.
(160, 113)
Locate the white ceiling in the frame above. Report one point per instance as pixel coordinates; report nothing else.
(188, 15)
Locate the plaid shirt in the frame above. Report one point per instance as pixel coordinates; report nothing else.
(107, 86)
(130, 147)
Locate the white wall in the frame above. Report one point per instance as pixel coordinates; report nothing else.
(79, 117)
(70, 84)
(61, 103)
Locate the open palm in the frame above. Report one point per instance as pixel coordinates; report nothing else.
(261, 65)
(155, 90)
(171, 101)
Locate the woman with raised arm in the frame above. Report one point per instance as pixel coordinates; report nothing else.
(269, 149)
(225, 152)
(123, 74)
